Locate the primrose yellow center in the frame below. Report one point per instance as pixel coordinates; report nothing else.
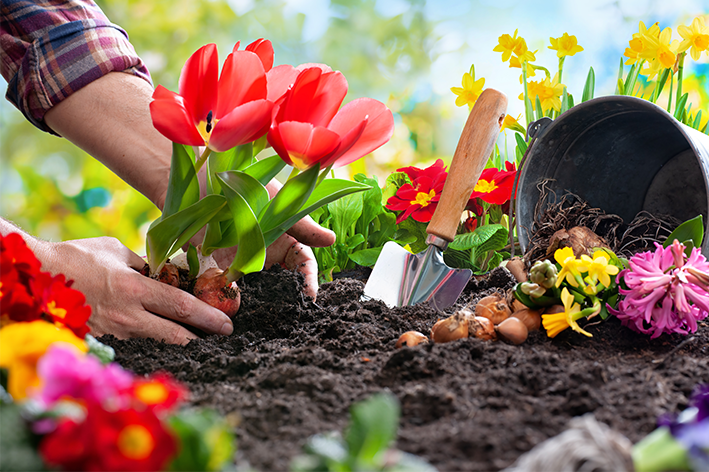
(423, 198)
(56, 311)
(483, 186)
(151, 393)
(135, 442)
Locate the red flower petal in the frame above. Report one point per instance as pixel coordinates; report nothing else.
(198, 82)
(244, 124)
(303, 145)
(314, 97)
(264, 50)
(279, 79)
(243, 80)
(171, 118)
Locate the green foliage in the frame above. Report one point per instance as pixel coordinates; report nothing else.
(480, 251)
(206, 440)
(102, 352)
(361, 225)
(372, 429)
(16, 441)
(690, 233)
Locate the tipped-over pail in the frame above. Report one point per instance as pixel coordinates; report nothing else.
(623, 155)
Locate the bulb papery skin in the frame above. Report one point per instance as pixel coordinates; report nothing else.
(666, 291)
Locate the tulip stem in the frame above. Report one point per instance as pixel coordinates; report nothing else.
(202, 159)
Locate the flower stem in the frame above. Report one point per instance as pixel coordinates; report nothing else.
(526, 94)
(680, 71)
(202, 159)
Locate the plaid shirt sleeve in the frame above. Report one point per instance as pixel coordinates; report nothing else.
(50, 49)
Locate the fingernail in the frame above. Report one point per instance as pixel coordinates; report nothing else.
(227, 328)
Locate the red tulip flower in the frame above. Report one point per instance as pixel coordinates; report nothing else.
(308, 128)
(419, 198)
(219, 112)
(495, 186)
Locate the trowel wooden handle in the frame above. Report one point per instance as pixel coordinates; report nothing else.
(474, 148)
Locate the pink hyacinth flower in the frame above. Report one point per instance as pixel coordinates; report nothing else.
(66, 373)
(667, 292)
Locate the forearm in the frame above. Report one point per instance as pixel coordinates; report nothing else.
(110, 119)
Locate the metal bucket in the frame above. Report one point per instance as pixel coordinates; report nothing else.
(623, 155)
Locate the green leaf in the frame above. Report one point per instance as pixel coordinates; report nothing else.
(371, 202)
(354, 241)
(564, 101)
(479, 237)
(416, 230)
(697, 120)
(235, 158)
(528, 109)
(589, 86)
(168, 235)
(366, 257)
(538, 108)
(206, 441)
(289, 199)
(266, 169)
(619, 81)
(521, 143)
(329, 190)
(183, 187)
(192, 261)
(631, 79)
(660, 84)
(691, 230)
(373, 426)
(344, 213)
(246, 196)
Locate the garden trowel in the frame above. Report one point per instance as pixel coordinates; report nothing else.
(400, 278)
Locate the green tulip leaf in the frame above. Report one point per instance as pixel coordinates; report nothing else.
(192, 261)
(329, 190)
(589, 87)
(289, 199)
(266, 169)
(167, 236)
(691, 230)
(373, 426)
(236, 158)
(183, 187)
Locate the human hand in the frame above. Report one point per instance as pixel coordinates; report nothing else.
(124, 302)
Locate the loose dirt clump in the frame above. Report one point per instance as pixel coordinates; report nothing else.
(294, 366)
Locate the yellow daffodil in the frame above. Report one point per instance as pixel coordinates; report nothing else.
(599, 268)
(531, 71)
(23, 344)
(660, 48)
(651, 68)
(513, 124)
(695, 38)
(638, 44)
(471, 90)
(508, 45)
(571, 267)
(565, 45)
(549, 92)
(557, 322)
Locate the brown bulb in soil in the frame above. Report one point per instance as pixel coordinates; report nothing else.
(410, 339)
(493, 307)
(551, 310)
(452, 328)
(481, 328)
(169, 275)
(512, 330)
(517, 269)
(532, 319)
(213, 288)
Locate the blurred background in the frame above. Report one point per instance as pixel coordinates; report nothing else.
(405, 53)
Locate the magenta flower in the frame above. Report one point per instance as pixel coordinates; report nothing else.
(667, 292)
(66, 373)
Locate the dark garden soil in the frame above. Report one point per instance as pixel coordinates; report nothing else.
(293, 367)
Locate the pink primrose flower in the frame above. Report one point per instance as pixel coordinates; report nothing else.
(667, 292)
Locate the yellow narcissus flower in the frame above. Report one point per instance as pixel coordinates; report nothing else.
(513, 124)
(571, 267)
(695, 38)
(565, 45)
(661, 48)
(531, 72)
(549, 92)
(23, 344)
(555, 323)
(470, 91)
(638, 44)
(508, 45)
(599, 269)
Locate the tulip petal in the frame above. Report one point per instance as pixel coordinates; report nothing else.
(314, 97)
(379, 129)
(171, 118)
(243, 80)
(198, 82)
(279, 79)
(243, 124)
(264, 50)
(301, 144)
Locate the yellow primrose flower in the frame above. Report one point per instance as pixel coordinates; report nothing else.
(638, 43)
(548, 91)
(471, 90)
(508, 45)
(565, 45)
(23, 344)
(557, 322)
(571, 267)
(599, 270)
(696, 37)
(660, 48)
